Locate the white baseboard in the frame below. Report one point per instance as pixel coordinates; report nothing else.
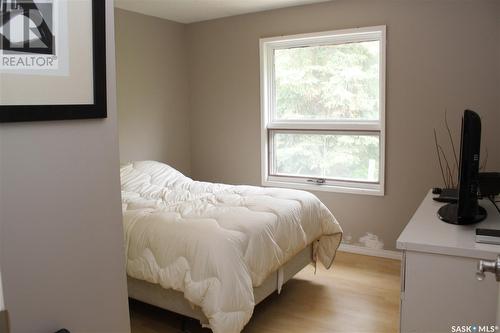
(370, 252)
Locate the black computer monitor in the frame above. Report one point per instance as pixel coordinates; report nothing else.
(467, 209)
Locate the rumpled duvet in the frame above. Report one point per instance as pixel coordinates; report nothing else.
(215, 242)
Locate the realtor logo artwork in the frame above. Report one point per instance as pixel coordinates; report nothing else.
(27, 39)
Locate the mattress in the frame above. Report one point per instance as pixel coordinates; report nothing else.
(216, 242)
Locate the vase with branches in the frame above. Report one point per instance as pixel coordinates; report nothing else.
(449, 163)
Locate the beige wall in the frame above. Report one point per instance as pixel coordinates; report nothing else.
(62, 252)
(152, 90)
(440, 55)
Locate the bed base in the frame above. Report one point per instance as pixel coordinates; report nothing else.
(174, 301)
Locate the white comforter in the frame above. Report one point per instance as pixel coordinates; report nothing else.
(215, 242)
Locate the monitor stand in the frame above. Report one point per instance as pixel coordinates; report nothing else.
(449, 214)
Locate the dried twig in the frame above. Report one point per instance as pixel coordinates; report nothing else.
(451, 138)
(439, 159)
(453, 171)
(451, 183)
(482, 167)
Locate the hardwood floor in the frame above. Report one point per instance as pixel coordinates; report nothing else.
(360, 294)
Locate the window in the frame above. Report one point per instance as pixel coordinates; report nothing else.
(323, 106)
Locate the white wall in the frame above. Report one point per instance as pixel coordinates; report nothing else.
(440, 55)
(62, 254)
(152, 90)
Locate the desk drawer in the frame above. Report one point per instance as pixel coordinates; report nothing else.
(440, 291)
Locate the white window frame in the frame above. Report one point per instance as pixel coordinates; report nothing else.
(267, 47)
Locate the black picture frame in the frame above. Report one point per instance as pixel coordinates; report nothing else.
(25, 113)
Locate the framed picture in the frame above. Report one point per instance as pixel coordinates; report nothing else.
(52, 60)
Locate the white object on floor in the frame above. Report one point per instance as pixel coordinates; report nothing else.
(216, 242)
(439, 289)
(371, 241)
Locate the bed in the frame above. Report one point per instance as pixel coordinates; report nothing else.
(213, 251)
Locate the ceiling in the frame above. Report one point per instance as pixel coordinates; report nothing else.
(189, 11)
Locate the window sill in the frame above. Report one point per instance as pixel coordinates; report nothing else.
(377, 190)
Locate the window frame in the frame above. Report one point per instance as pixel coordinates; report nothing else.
(268, 98)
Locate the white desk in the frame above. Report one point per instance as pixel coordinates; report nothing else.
(439, 288)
